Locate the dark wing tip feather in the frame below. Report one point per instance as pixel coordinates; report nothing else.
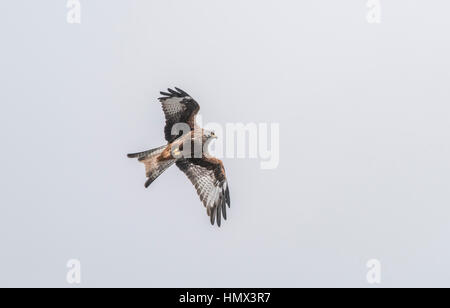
(173, 93)
(218, 211)
(224, 208)
(164, 97)
(219, 214)
(148, 182)
(213, 216)
(181, 92)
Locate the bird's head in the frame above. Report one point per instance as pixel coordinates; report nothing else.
(208, 136)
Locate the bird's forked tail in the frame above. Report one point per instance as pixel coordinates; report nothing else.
(155, 163)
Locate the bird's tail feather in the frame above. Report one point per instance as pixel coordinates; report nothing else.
(143, 155)
(154, 165)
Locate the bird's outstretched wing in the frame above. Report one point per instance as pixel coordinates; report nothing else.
(208, 177)
(178, 107)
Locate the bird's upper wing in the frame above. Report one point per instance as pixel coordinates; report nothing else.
(208, 177)
(178, 107)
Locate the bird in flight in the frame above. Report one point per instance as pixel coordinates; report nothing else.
(188, 149)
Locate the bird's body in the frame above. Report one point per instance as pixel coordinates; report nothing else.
(188, 149)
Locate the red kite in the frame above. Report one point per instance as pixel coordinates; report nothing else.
(205, 172)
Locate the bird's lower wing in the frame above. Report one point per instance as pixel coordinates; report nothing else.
(209, 180)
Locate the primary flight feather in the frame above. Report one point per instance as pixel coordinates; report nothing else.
(189, 151)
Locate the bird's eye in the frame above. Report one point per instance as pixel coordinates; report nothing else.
(213, 134)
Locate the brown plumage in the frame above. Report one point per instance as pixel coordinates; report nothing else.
(188, 150)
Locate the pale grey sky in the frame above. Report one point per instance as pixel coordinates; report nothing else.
(364, 142)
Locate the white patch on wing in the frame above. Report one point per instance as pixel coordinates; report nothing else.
(172, 107)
